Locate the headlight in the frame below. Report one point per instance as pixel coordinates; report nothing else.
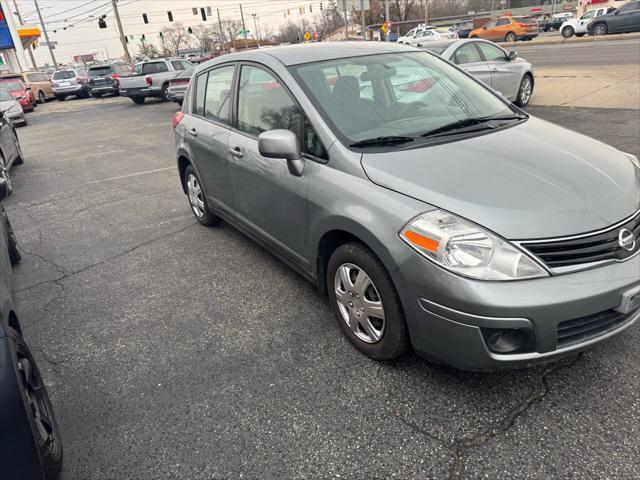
(464, 248)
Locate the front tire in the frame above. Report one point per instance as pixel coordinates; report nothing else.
(38, 407)
(600, 29)
(510, 37)
(366, 303)
(524, 91)
(568, 32)
(197, 198)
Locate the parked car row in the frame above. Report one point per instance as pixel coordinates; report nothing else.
(30, 440)
(152, 78)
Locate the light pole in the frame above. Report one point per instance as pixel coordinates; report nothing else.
(255, 25)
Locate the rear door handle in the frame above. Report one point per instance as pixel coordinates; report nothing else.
(236, 152)
(193, 132)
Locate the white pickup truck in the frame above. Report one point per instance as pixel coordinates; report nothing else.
(578, 26)
(152, 79)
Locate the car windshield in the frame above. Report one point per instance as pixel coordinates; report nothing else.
(100, 71)
(63, 74)
(11, 85)
(398, 94)
(5, 96)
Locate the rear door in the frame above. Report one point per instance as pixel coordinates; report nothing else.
(505, 75)
(469, 59)
(503, 26)
(267, 198)
(208, 129)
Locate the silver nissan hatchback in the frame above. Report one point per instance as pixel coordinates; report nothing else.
(432, 212)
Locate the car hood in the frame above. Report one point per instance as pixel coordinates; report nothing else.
(533, 180)
(4, 106)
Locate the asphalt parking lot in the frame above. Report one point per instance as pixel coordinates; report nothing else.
(175, 351)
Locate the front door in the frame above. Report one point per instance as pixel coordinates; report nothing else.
(468, 58)
(267, 198)
(208, 130)
(505, 76)
(626, 19)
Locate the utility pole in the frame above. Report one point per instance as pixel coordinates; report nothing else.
(346, 20)
(46, 35)
(364, 37)
(386, 16)
(426, 12)
(244, 32)
(255, 25)
(33, 59)
(222, 35)
(107, 50)
(123, 39)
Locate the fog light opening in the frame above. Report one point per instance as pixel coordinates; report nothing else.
(507, 340)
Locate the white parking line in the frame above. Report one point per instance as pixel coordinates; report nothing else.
(131, 175)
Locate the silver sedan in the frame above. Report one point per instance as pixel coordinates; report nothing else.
(503, 71)
(11, 108)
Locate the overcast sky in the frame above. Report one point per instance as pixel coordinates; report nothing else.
(85, 36)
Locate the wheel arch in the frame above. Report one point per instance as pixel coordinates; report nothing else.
(337, 232)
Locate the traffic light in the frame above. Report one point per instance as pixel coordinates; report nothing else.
(101, 22)
(189, 30)
(320, 6)
(145, 19)
(300, 10)
(170, 15)
(161, 36)
(204, 14)
(310, 9)
(143, 37)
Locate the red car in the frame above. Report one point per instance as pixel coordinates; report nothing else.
(19, 90)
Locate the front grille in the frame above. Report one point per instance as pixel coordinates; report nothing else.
(582, 329)
(598, 247)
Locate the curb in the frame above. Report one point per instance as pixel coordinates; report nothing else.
(586, 38)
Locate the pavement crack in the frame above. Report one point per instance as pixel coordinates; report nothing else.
(505, 423)
(65, 275)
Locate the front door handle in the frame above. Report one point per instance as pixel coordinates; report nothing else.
(236, 152)
(193, 132)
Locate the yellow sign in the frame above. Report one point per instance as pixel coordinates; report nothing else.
(384, 27)
(307, 36)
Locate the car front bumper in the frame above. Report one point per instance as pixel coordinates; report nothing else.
(16, 118)
(449, 316)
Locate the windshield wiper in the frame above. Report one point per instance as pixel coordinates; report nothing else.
(382, 141)
(483, 122)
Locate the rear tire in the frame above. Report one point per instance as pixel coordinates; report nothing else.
(568, 32)
(510, 37)
(379, 337)
(525, 90)
(197, 198)
(35, 398)
(42, 98)
(163, 94)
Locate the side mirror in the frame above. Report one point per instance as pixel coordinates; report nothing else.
(512, 55)
(28, 89)
(282, 144)
(4, 188)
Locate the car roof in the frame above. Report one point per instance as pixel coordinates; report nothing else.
(315, 52)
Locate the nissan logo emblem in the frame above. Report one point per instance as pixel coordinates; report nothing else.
(626, 239)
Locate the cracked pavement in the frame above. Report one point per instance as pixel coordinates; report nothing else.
(182, 352)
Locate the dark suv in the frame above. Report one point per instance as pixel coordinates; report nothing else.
(620, 20)
(104, 78)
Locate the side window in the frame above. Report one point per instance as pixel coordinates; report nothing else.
(264, 104)
(629, 7)
(467, 53)
(312, 144)
(491, 24)
(42, 77)
(201, 88)
(156, 67)
(490, 52)
(177, 65)
(217, 102)
(32, 77)
(589, 14)
(502, 22)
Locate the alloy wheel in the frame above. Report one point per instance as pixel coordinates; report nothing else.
(36, 396)
(600, 30)
(359, 303)
(196, 198)
(525, 90)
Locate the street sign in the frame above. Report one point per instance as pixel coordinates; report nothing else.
(316, 35)
(307, 36)
(389, 24)
(245, 33)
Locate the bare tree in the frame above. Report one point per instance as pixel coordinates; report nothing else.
(330, 19)
(205, 37)
(401, 10)
(174, 37)
(232, 29)
(147, 49)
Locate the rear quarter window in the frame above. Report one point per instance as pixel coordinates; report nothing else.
(63, 74)
(156, 67)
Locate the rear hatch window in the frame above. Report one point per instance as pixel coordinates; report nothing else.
(63, 74)
(100, 72)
